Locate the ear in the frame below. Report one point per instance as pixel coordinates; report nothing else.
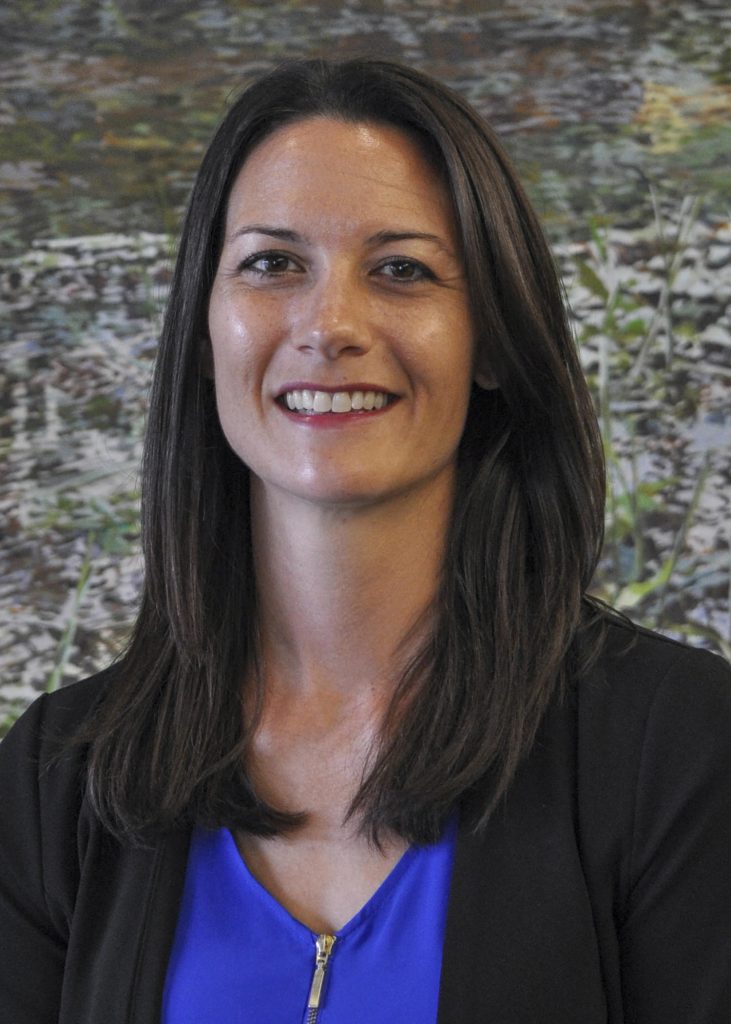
(481, 370)
(485, 380)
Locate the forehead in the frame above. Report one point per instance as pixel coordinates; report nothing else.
(338, 167)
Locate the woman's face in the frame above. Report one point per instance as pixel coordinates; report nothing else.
(339, 318)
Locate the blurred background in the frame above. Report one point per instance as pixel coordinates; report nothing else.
(618, 118)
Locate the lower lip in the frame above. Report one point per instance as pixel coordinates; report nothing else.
(328, 420)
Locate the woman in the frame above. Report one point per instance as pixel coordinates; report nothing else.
(371, 754)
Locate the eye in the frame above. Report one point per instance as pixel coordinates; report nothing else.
(268, 264)
(403, 269)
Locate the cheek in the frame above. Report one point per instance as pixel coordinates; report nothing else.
(241, 359)
(456, 388)
(243, 334)
(455, 363)
(225, 329)
(233, 347)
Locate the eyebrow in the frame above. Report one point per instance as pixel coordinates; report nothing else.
(264, 229)
(383, 237)
(379, 238)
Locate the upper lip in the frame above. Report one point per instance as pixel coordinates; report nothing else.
(331, 388)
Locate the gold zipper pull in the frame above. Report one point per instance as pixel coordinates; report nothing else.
(325, 945)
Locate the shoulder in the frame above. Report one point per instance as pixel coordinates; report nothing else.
(648, 710)
(41, 769)
(674, 703)
(41, 795)
(653, 748)
(630, 644)
(640, 673)
(42, 732)
(647, 693)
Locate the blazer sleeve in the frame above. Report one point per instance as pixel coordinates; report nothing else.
(31, 931)
(675, 940)
(42, 837)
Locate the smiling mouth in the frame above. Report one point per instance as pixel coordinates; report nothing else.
(315, 403)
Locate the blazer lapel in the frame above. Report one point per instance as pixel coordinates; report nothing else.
(123, 928)
(161, 920)
(520, 945)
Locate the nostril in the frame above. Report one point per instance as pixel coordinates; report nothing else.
(333, 332)
(333, 345)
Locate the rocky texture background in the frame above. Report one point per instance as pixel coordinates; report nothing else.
(618, 117)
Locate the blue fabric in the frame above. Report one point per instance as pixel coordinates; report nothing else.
(240, 958)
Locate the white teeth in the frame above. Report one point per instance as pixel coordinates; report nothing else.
(339, 401)
(323, 401)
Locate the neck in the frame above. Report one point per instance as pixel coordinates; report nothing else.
(343, 595)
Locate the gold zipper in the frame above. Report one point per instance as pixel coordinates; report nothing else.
(324, 944)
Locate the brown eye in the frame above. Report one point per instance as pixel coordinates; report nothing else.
(406, 270)
(268, 263)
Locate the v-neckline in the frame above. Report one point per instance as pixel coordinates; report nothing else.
(292, 923)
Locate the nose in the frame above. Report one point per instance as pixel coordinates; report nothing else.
(334, 317)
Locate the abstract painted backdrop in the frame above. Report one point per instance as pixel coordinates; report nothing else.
(618, 116)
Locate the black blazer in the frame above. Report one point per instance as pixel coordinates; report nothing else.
(600, 893)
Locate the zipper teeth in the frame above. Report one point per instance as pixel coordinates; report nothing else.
(324, 946)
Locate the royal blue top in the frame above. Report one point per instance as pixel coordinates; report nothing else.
(238, 956)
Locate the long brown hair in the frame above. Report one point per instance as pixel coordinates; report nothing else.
(168, 743)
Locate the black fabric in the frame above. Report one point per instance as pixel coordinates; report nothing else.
(600, 893)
